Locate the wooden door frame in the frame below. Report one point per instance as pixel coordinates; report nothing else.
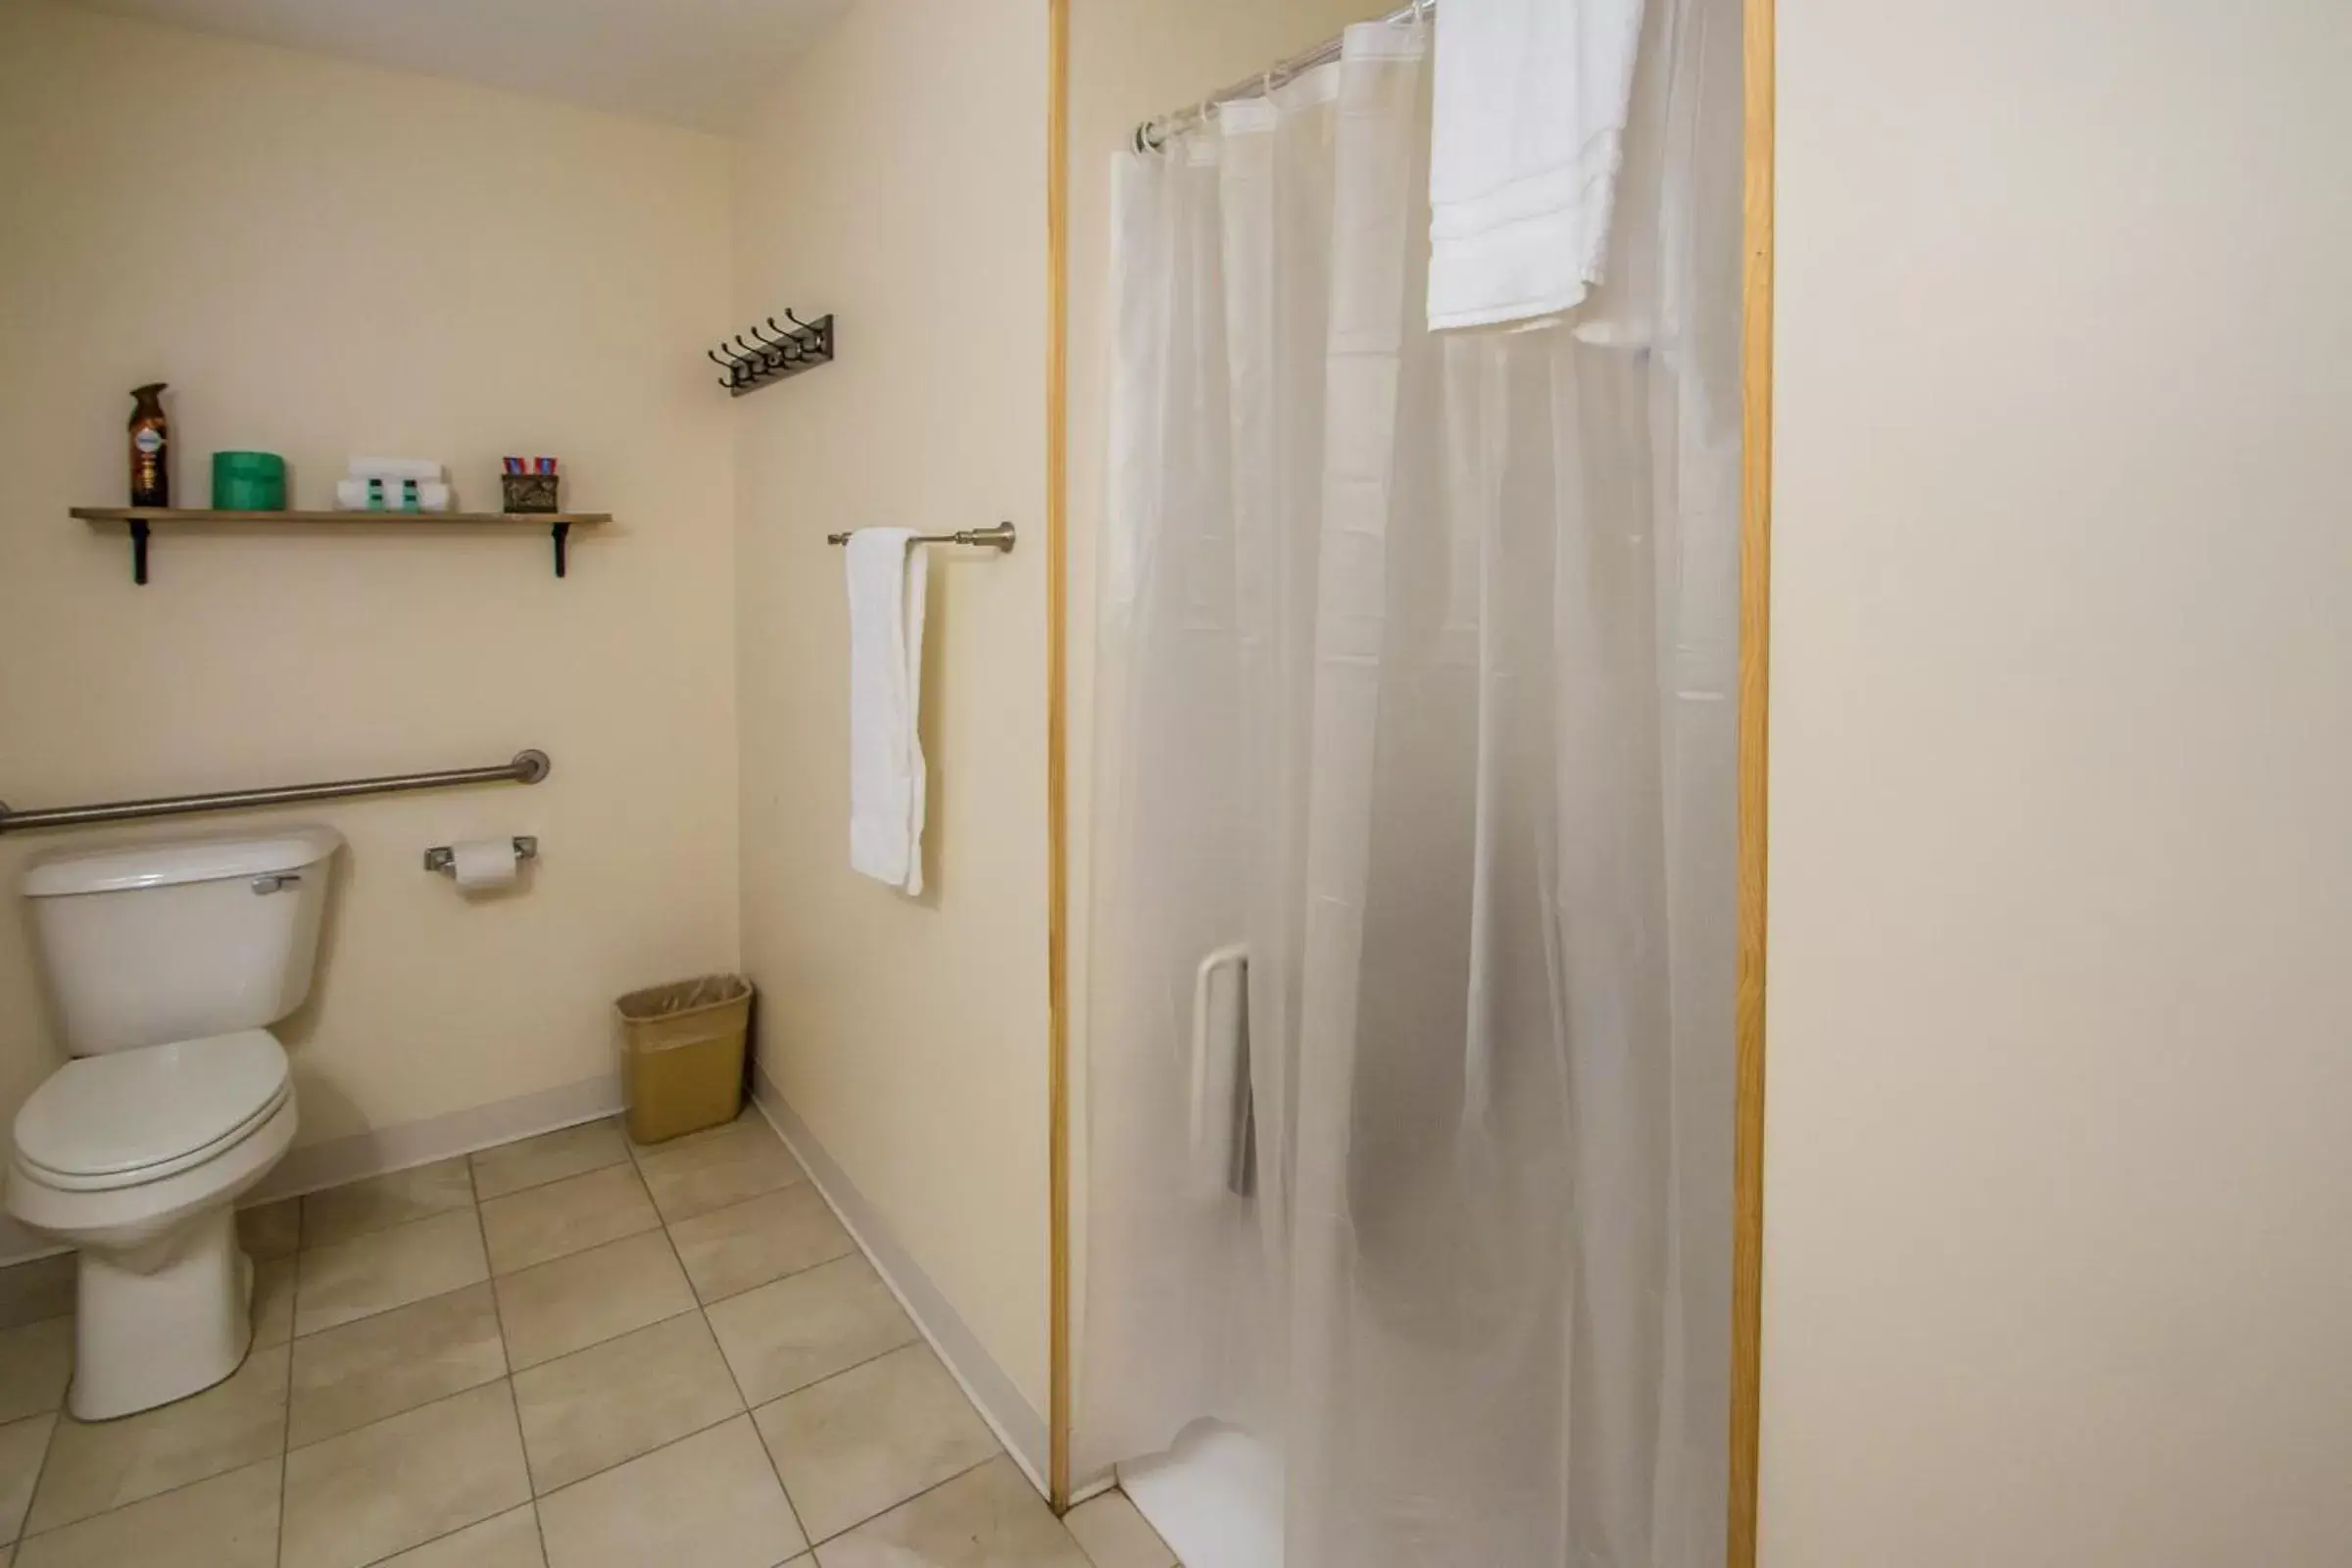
(1755, 614)
(1755, 648)
(1058, 732)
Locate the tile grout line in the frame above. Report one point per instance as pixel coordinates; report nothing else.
(476, 1201)
(373, 1563)
(458, 1530)
(702, 1308)
(120, 1507)
(297, 1332)
(61, 1417)
(287, 1448)
(532, 1187)
(593, 1345)
(666, 1442)
(1024, 1456)
(489, 1278)
(301, 1211)
(498, 1273)
(505, 1354)
(506, 1378)
(747, 1410)
(698, 1308)
(178, 1487)
(672, 1443)
(58, 1414)
(917, 1496)
(57, 1424)
(788, 1274)
(839, 1372)
(843, 1373)
(286, 1441)
(288, 1457)
(369, 1175)
(808, 1544)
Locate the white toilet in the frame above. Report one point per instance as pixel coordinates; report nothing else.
(166, 962)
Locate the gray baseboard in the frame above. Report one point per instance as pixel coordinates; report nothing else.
(378, 1151)
(1000, 1401)
(312, 1167)
(20, 1246)
(381, 1151)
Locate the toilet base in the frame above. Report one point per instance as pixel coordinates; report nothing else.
(161, 1320)
(164, 1287)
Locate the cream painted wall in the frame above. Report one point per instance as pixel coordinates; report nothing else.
(2058, 1259)
(897, 178)
(324, 258)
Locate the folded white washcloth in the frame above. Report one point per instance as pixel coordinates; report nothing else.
(886, 586)
(418, 468)
(389, 495)
(1527, 135)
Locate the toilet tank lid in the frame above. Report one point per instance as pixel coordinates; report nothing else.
(121, 866)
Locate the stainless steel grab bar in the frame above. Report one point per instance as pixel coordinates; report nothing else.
(528, 767)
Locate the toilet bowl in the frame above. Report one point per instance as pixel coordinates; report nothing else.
(134, 1159)
(166, 962)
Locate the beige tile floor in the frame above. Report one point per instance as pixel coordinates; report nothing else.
(567, 1352)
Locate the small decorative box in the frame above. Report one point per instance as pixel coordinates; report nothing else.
(530, 492)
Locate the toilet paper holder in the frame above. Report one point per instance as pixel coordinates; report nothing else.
(443, 859)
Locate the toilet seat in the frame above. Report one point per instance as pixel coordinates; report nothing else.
(130, 1117)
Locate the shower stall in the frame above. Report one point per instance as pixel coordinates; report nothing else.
(1407, 1068)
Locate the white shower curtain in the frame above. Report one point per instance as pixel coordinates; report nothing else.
(1410, 1051)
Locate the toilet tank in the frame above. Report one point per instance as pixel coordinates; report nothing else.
(142, 944)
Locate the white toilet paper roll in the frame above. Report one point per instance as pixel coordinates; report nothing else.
(484, 863)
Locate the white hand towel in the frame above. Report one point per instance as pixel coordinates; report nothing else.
(887, 584)
(352, 495)
(418, 468)
(1527, 135)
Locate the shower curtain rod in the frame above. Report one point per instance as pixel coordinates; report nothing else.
(1156, 134)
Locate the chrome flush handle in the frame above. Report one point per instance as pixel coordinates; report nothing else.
(276, 881)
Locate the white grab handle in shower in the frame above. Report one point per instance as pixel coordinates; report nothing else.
(1211, 1103)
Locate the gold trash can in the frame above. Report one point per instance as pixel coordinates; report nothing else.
(682, 1049)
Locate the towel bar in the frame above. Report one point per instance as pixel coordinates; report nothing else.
(1001, 537)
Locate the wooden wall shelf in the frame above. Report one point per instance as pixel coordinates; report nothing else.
(142, 520)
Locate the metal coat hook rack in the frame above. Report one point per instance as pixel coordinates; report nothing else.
(763, 360)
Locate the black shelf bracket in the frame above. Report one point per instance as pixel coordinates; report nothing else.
(138, 551)
(562, 533)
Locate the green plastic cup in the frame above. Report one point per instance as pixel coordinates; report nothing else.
(249, 481)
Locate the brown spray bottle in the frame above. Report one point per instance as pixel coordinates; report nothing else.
(150, 448)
